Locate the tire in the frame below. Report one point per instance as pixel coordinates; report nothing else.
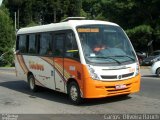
(74, 93)
(31, 80)
(158, 72)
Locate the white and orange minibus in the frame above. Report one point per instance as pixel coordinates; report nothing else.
(82, 58)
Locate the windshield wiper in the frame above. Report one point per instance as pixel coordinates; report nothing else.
(106, 58)
(125, 56)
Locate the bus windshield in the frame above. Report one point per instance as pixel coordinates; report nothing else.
(105, 44)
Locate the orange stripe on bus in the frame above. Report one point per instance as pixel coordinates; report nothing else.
(58, 69)
(22, 63)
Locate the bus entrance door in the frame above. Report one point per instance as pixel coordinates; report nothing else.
(59, 62)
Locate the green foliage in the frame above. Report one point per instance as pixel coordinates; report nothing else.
(43, 11)
(32, 23)
(7, 34)
(83, 13)
(140, 18)
(140, 35)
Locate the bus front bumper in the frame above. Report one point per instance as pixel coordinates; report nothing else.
(99, 89)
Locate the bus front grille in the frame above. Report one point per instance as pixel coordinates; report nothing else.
(109, 76)
(117, 76)
(111, 90)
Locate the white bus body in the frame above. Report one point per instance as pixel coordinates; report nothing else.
(55, 56)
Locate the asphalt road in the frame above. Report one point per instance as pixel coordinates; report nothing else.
(16, 98)
(150, 85)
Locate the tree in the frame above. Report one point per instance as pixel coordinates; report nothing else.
(136, 17)
(7, 34)
(43, 11)
(93, 9)
(129, 14)
(140, 35)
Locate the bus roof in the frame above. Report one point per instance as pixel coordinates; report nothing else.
(70, 24)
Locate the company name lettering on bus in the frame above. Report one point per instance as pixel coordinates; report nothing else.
(36, 66)
(88, 30)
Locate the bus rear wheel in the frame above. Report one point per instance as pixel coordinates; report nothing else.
(32, 85)
(74, 93)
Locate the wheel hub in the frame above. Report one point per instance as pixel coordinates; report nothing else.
(74, 93)
(32, 83)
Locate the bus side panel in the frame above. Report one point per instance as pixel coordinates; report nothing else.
(98, 89)
(60, 80)
(73, 69)
(21, 68)
(38, 66)
(41, 67)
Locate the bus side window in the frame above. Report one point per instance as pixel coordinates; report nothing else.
(22, 45)
(59, 45)
(45, 44)
(32, 44)
(17, 43)
(71, 48)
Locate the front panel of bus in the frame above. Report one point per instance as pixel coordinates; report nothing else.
(111, 66)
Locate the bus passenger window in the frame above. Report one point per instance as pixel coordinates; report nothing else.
(59, 44)
(45, 44)
(71, 49)
(32, 44)
(17, 43)
(22, 44)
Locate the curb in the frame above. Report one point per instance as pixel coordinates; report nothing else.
(9, 73)
(7, 68)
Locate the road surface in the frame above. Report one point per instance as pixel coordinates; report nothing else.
(16, 98)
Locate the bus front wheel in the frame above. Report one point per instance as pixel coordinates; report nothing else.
(74, 93)
(32, 85)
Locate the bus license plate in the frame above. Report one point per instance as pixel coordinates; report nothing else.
(122, 86)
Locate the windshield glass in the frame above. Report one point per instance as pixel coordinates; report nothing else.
(105, 44)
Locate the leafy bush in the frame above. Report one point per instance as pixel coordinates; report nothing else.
(140, 36)
(7, 37)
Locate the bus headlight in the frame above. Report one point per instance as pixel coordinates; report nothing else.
(137, 69)
(92, 72)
